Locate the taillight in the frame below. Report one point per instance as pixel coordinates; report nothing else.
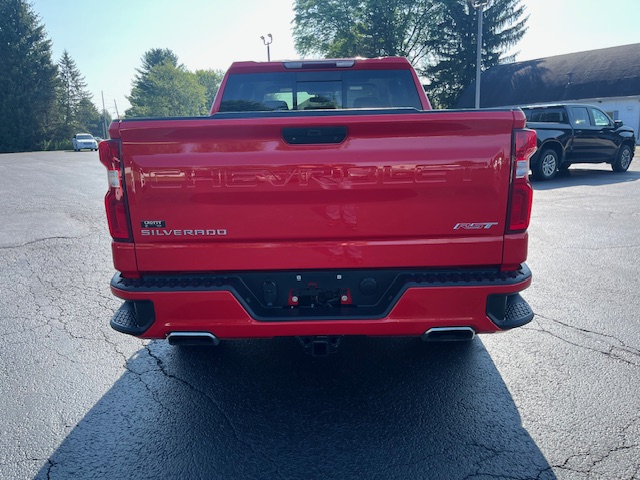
(521, 190)
(114, 200)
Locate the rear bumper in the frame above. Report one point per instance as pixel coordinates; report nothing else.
(411, 303)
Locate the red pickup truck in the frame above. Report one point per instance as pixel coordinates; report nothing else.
(320, 199)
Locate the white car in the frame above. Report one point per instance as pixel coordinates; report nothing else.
(84, 140)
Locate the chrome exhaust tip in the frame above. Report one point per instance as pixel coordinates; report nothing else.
(449, 334)
(193, 338)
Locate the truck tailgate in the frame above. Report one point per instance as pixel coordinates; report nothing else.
(316, 190)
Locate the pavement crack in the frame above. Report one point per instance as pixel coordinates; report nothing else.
(620, 352)
(154, 395)
(491, 453)
(49, 468)
(612, 451)
(114, 345)
(584, 330)
(588, 469)
(213, 401)
(39, 240)
(543, 471)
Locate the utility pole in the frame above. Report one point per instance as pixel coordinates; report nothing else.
(116, 105)
(104, 117)
(267, 43)
(479, 5)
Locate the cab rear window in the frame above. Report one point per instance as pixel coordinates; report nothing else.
(321, 90)
(546, 115)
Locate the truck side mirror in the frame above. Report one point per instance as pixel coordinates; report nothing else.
(617, 123)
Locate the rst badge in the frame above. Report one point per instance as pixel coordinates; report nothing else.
(474, 226)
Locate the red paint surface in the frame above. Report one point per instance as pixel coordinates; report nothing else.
(388, 196)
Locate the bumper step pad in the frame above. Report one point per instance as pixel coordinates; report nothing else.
(509, 311)
(133, 318)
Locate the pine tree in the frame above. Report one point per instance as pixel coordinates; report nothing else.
(454, 44)
(27, 79)
(151, 59)
(74, 101)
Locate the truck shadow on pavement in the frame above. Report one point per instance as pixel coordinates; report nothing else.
(379, 408)
(585, 176)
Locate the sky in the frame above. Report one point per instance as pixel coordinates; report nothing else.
(108, 38)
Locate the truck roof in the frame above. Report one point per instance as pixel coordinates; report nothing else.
(557, 105)
(383, 63)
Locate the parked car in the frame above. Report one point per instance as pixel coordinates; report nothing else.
(84, 140)
(577, 133)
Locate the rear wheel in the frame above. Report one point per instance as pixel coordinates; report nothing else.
(547, 165)
(624, 159)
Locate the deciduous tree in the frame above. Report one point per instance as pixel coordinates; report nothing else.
(88, 118)
(368, 28)
(437, 36)
(210, 80)
(165, 89)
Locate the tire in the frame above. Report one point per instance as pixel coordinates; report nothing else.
(547, 165)
(623, 160)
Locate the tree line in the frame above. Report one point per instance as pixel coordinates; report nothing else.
(439, 37)
(42, 103)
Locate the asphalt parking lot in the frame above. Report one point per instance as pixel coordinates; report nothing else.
(555, 399)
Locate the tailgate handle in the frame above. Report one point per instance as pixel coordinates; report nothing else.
(314, 135)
